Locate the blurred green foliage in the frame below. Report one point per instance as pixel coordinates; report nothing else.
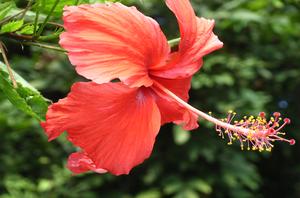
(258, 69)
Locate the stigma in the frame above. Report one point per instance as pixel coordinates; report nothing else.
(256, 133)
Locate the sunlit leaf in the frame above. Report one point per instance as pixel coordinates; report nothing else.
(28, 29)
(180, 136)
(24, 97)
(187, 193)
(201, 185)
(47, 5)
(5, 8)
(12, 26)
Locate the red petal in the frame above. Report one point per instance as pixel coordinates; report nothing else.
(172, 111)
(197, 40)
(80, 163)
(115, 125)
(108, 41)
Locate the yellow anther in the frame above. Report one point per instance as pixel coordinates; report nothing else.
(229, 143)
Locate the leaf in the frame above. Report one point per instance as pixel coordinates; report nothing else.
(5, 8)
(152, 193)
(246, 16)
(47, 5)
(28, 30)
(29, 16)
(187, 193)
(180, 136)
(12, 26)
(201, 185)
(173, 186)
(25, 97)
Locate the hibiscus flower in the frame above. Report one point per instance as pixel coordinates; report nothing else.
(115, 123)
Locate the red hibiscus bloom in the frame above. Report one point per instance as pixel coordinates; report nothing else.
(115, 123)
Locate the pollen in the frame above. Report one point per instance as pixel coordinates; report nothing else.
(256, 133)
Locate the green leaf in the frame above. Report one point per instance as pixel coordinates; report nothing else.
(180, 136)
(47, 5)
(25, 97)
(152, 193)
(201, 185)
(5, 8)
(12, 26)
(187, 193)
(246, 16)
(29, 16)
(28, 30)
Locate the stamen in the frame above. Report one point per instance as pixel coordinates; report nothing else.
(261, 132)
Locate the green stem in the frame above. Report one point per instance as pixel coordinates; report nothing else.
(56, 24)
(50, 37)
(46, 46)
(47, 19)
(26, 9)
(36, 18)
(174, 42)
(77, 2)
(31, 38)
